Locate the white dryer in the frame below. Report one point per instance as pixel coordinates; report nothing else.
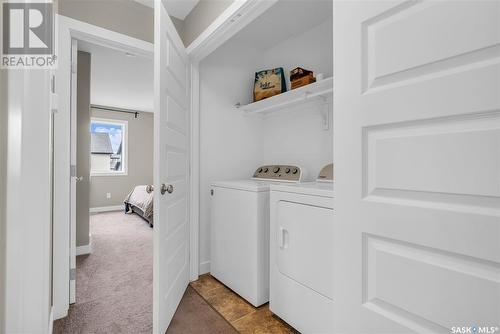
(240, 230)
(301, 249)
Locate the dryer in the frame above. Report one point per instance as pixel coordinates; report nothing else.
(301, 253)
(240, 230)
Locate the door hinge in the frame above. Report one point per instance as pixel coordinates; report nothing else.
(53, 84)
(72, 171)
(73, 67)
(72, 274)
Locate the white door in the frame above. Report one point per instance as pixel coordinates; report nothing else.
(73, 176)
(417, 154)
(171, 224)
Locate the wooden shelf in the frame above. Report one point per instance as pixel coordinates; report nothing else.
(320, 91)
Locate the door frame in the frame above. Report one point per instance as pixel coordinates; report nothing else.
(69, 29)
(72, 183)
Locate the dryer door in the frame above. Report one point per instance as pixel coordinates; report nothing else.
(305, 248)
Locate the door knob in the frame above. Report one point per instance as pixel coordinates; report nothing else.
(149, 189)
(165, 188)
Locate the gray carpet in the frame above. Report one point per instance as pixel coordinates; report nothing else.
(114, 284)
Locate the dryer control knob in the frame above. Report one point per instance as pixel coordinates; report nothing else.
(266, 169)
(287, 170)
(295, 171)
(276, 169)
(260, 170)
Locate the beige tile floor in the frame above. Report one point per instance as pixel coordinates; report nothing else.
(238, 312)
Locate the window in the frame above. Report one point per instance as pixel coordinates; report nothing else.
(108, 147)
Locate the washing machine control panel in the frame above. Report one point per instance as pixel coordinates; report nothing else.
(279, 173)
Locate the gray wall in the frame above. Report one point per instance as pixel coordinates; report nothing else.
(131, 18)
(179, 26)
(140, 160)
(83, 148)
(202, 15)
(124, 16)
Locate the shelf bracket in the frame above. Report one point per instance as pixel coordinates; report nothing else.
(326, 116)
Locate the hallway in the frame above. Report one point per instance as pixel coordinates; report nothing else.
(114, 283)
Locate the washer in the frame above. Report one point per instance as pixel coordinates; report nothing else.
(240, 230)
(301, 253)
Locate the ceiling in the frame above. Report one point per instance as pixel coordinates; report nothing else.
(176, 8)
(118, 80)
(285, 19)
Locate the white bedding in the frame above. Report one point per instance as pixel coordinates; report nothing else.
(143, 200)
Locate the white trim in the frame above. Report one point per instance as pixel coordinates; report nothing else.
(124, 125)
(51, 321)
(27, 256)
(97, 174)
(237, 16)
(194, 171)
(85, 249)
(69, 29)
(107, 208)
(204, 267)
(73, 146)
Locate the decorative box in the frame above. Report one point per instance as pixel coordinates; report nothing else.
(300, 77)
(269, 83)
(302, 81)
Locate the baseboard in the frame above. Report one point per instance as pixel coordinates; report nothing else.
(107, 208)
(85, 249)
(204, 267)
(51, 321)
(59, 314)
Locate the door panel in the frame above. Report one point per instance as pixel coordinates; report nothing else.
(392, 266)
(304, 238)
(417, 154)
(397, 46)
(171, 229)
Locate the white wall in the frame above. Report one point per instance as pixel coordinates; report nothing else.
(298, 136)
(312, 50)
(119, 81)
(232, 145)
(229, 141)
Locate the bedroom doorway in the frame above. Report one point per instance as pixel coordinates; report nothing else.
(112, 128)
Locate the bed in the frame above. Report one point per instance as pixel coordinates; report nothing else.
(140, 201)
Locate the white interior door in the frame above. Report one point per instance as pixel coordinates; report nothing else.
(171, 176)
(417, 154)
(73, 176)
